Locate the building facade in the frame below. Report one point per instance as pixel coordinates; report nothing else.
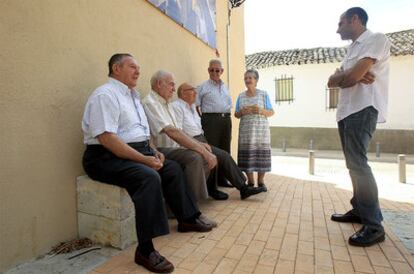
(54, 54)
(305, 109)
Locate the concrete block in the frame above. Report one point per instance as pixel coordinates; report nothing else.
(105, 213)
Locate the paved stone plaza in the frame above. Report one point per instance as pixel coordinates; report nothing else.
(288, 229)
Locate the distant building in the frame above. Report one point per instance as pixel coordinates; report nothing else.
(305, 109)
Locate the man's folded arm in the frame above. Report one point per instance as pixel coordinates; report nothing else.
(350, 77)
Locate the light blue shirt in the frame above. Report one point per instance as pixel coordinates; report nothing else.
(267, 104)
(114, 108)
(213, 97)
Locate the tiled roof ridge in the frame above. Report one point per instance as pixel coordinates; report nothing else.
(402, 44)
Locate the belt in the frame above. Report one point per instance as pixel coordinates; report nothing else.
(139, 144)
(100, 151)
(217, 114)
(133, 144)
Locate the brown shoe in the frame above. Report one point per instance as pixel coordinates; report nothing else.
(199, 226)
(154, 263)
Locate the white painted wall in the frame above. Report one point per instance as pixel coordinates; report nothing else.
(401, 94)
(309, 107)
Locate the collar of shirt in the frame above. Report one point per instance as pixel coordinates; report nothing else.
(362, 37)
(124, 88)
(121, 86)
(167, 105)
(215, 83)
(158, 97)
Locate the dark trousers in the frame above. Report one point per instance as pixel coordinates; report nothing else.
(146, 186)
(356, 132)
(217, 129)
(226, 167)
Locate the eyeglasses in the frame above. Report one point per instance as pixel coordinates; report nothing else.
(188, 89)
(215, 70)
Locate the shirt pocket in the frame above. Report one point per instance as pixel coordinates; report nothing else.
(353, 56)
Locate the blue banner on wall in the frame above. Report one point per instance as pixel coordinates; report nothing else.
(197, 16)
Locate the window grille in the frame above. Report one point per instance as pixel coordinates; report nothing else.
(284, 89)
(332, 95)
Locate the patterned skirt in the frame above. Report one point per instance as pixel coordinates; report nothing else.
(254, 152)
(254, 157)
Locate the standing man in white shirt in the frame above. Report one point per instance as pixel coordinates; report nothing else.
(363, 82)
(119, 152)
(214, 105)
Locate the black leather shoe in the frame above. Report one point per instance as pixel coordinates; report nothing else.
(154, 263)
(248, 191)
(348, 217)
(198, 226)
(218, 195)
(262, 186)
(224, 183)
(367, 236)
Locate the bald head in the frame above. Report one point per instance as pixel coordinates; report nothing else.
(187, 92)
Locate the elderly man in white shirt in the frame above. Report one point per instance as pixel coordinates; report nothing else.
(363, 83)
(119, 152)
(189, 120)
(195, 157)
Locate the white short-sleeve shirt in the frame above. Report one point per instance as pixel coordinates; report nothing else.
(360, 96)
(114, 108)
(160, 115)
(187, 117)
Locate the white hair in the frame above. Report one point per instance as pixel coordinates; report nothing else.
(157, 76)
(215, 61)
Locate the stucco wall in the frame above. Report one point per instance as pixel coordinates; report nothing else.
(54, 53)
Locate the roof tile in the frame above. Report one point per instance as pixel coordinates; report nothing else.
(402, 43)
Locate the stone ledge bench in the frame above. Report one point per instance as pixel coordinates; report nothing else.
(106, 213)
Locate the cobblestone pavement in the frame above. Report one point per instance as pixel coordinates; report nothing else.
(288, 229)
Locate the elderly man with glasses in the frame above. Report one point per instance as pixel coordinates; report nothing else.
(214, 105)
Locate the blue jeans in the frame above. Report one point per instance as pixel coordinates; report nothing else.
(356, 132)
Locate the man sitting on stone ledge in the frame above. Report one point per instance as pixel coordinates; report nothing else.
(119, 152)
(190, 122)
(173, 142)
